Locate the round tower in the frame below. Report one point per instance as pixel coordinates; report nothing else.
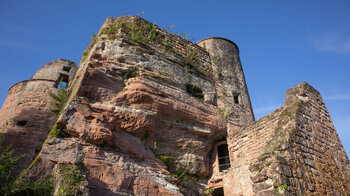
(232, 94)
(26, 116)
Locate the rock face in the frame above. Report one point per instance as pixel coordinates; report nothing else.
(150, 113)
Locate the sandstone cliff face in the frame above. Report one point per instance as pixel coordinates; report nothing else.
(130, 108)
(147, 110)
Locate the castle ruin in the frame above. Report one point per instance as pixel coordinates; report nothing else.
(151, 113)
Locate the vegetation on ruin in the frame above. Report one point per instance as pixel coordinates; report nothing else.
(72, 179)
(56, 132)
(165, 159)
(190, 61)
(225, 111)
(209, 192)
(180, 171)
(282, 132)
(139, 31)
(58, 99)
(131, 72)
(7, 163)
(9, 185)
(194, 91)
(87, 51)
(43, 186)
(280, 188)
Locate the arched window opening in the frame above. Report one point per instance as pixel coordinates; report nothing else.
(223, 157)
(218, 192)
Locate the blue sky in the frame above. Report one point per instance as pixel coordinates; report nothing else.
(282, 43)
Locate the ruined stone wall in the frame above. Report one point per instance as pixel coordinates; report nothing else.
(294, 150)
(245, 147)
(26, 113)
(318, 163)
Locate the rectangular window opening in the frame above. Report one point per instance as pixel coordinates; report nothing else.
(66, 68)
(223, 157)
(235, 96)
(63, 81)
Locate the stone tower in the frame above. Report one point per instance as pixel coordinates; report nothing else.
(232, 100)
(231, 88)
(26, 113)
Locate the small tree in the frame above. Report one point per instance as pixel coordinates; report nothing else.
(58, 99)
(7, 163)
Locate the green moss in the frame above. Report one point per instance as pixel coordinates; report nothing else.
(55, 132)
(4, 126)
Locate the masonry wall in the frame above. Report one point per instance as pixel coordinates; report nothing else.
(294, 150)
(26, 115)
(318, 163)
(245, 147)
